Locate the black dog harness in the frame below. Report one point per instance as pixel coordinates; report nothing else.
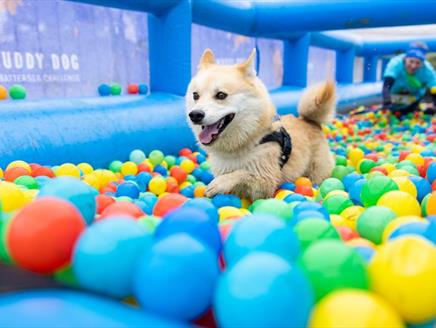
(283, 138)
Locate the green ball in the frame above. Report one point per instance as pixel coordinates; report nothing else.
(205, 165)
(190, 178)
(331, 265)
(373, 221)
(17, 92)
(404, 163)
(424, 205)
(67, 277)
(337, 203)
(339, 172)
(273, 206)
(330, 184)
(366, 165)
(26, 181)
(341, 160)
(115, 166)
(5, 256)
(116, 89)
(149, 222)
(369, 176)
(376, 187)
(411, 169)
(137, 156)
(311, 230)
(170, 160)
(156, 157)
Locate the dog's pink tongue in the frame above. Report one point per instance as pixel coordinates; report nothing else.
(206, 135)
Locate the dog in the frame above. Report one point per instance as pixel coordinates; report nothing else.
(250, 151)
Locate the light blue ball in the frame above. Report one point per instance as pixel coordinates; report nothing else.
(137, 156)
(422, 185)
(204, 204)
(310, 214)
(263, 290)
(75, 191)
(222, 200)
(261, 232)
(350, 179)
(431, 172)
(177, 277)
(311, 206)
(414, 228)
(106, 254)
(355, 190)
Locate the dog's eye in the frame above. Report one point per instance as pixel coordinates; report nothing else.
(196, 96)
(221, 95)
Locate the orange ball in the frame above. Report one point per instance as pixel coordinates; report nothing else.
(179, 174)
(3, 93)
(200, 191)
(15, 172)
(168, 203)
(431, 204)
(172, 185)
(122, 208)
(303, 181)
(144, 167)
(42, 235)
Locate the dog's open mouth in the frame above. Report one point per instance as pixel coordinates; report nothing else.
(210, 133)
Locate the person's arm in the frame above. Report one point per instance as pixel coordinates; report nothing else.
(431, 77)
(388, 82)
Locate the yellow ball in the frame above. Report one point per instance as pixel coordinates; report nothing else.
(11, 197)
(400, 202)
(282, 194)
(355, 155)
(417, 159)
(353, 308)
(68, 169)
(303, 181)
(394, 224)
(1, 174)
(92, 181)
(185, 184)
(187, 165)
(403, 271)
(245, 203)
(129, 168)
(227, 212)
(157, 185)
(340, 221)
(85, 168)
(399, 173)
(30, 195)
(350, 214)
(22, 164)
(404, 184)
(245, 211)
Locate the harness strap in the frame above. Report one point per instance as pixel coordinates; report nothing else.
(283, 138)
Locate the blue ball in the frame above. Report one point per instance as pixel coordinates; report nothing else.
(288, 186)
(193, 221)
(355, 190)
(104, 90)
(143, 89)
(200, 158)
(145, 207)
(311, 206)
(350, 179)
(204, 204)
(366, 252)
(206, 177)
(414, 228)
(75, 191)
(294, 198)
(431, 172)
(143, 179)
(106, 254)
(263, 290)
(197, 173)
(161, 170)
(188, 191)
(177, 277)
(309, 214)
(430, 233)
(129, 189)
(261, 232)
(422, 185)
(222, 200)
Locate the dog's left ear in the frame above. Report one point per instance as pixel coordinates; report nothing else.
(247, 67)
(207, 59)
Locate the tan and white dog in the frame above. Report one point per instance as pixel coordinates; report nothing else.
(230, 112)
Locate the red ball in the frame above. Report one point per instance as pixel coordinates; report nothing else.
(178, 173)
(304, 190)
(34, 166)
(185, 152)
(15, 172)
(103, 201)
(403, 155)
(43, 171)
(207, 320)
(42, 235)
(143, 167)
(122, 208)
(168, 203)
(347, 233)
(132, 89)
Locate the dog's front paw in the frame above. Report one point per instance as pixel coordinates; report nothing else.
(219, 185)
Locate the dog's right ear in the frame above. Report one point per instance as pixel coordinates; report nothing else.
(207, 59)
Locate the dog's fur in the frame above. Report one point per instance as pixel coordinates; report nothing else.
(240, 164)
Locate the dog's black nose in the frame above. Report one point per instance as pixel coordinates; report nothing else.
(196, 116)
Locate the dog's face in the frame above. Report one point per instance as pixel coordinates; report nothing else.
(227, 105)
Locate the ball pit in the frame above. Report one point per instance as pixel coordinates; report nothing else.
(358, 249)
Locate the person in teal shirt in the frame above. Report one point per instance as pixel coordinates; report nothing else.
(407, 80)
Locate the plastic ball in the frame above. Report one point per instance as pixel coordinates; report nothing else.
(414, 228)
(400, 202)
(143, 89)
(106, 255)
(229, 212)
(176, 278)
(204, 204)
(311, 230)
(337, 204)
(150, 223)
(17, 92)
(42, 235)
(261, 232)
(122, 209)
(168, 203)
(74, 191)
(187, 165)
(329, 185)
(373, 222)
(354, 308)
(263, 290)
(330, 265)
(399, 221)
(68, 169)
(157, 185)
(132, 89)
(3, 93)
(21, 164)
(422, 185)
(115, 166)
(274, 207)
(375, 188)
(104, 90)
(116, 89)
(156, 157)
(137, 156)
(86, 168)
(11, 197)
(402, 272)
(129, 168)
(221, 200)
(355, 155)
(406, 185)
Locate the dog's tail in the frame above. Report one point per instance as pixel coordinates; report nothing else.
(318, 103)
